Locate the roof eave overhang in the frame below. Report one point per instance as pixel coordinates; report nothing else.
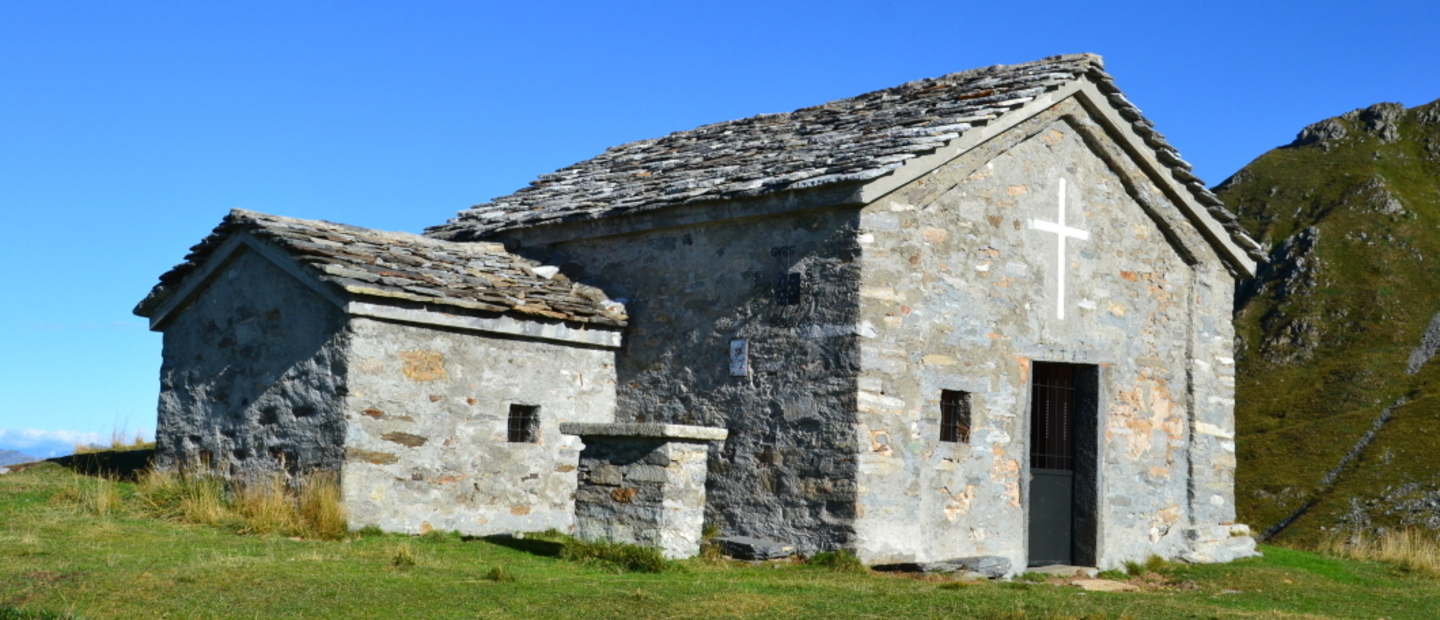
(1088, 94)
(505, 324)
(358, 303)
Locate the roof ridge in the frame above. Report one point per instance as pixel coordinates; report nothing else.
(850, 140)
(853, 139)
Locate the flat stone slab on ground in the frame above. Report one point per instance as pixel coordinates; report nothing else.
(1105, 585)
(748, 548)
(991, 566)
(1061, 570)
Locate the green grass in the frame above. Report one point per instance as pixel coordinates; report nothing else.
(59, 561)
(841, 561)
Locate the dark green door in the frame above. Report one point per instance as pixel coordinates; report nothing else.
(1052, 464)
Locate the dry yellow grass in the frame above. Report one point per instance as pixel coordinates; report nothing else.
(1409, 549)
(265, 504)
(184, 495)
(320, 507)
(403, 557)
(118, 441)
(95, 496)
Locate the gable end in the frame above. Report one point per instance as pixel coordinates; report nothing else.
(400, 277)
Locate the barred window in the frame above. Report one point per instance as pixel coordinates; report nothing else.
(524, 424)
(954, 416)
(1052, 416)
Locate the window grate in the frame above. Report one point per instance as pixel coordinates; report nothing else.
(524, 424)
(954, 416)
(1052, 403)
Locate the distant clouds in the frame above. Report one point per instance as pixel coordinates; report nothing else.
(46, 444)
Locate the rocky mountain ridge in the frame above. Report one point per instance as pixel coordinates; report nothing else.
(1336, 404)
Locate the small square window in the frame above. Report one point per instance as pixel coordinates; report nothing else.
(954, 416)
(524, 424)
(787, 289)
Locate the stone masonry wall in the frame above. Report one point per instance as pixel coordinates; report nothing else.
(787, 285)
(426, 438)
(253, 375)
(643, 491)
(960, 293)
(1213, 440)
(1213, 534)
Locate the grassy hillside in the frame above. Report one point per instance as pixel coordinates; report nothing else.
(1351, 212)
(60, 557)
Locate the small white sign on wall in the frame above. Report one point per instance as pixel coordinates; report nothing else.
(739, 357)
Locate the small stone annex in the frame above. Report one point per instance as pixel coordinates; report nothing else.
(981, 319)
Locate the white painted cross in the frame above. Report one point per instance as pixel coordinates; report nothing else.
(1061, 232)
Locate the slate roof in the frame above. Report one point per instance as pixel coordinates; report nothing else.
(845, 141)
(411, 268)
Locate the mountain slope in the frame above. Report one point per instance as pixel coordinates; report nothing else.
(11, 457)
(1334, 429)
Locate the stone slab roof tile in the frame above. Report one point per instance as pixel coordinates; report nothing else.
(846, 141)
(402, 266)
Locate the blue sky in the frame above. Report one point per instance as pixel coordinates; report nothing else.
(127, 130)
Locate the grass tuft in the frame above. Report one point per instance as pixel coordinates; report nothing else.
(184, 495)
(626, 557)
(1152, 565)
(709, 549)
(436, 536)
(841, 561)
(265, 507)
(402, 557)
(618, 556)
(95, 496)
(321, 509)
(499, 574)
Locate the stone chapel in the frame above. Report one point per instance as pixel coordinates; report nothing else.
(981, 315)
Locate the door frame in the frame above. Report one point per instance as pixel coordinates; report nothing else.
(1087, 495)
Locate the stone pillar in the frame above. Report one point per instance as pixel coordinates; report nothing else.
(643, 484)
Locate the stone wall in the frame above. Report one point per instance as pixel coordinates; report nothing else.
(960, 293)
(643, 484)
(252, 377)
(786, 284)
(426, 438)
(1212, 534)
